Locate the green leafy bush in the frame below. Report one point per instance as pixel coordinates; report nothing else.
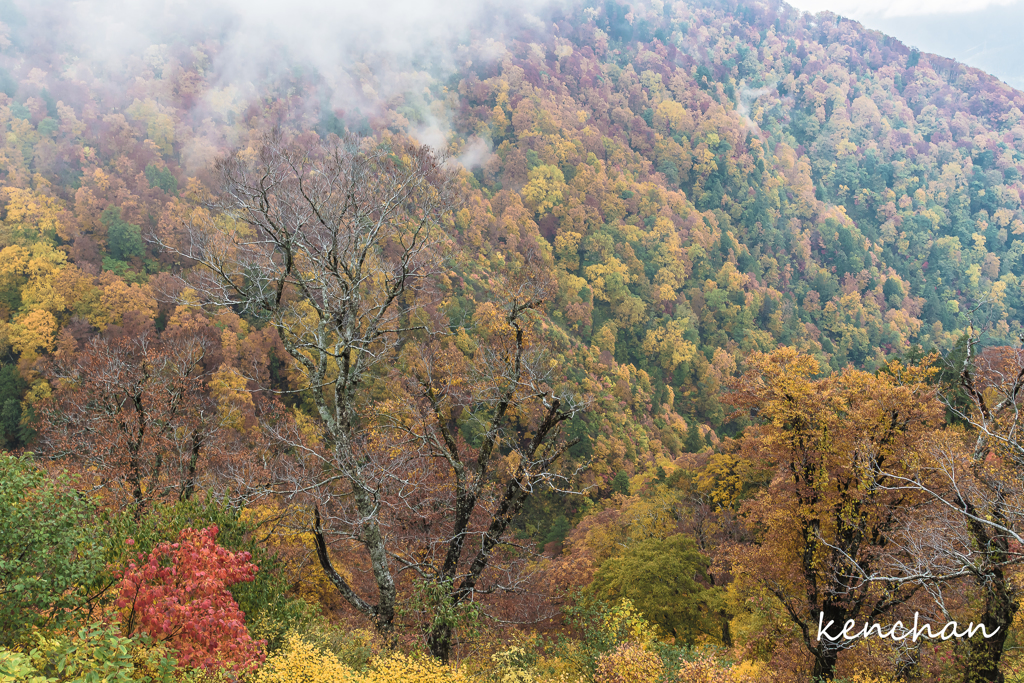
(49, 549)
(96, 653)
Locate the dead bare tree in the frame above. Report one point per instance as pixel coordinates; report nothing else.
(336, 243)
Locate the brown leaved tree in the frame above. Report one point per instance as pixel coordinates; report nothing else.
(131, 413)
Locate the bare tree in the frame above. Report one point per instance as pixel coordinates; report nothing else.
(482, 424)
(983, 486)
(971, 530)
(336, 243)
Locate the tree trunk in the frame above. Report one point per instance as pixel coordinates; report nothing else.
(984, 654)
(383, 613)
(824, 665)
(726, 630)
(190, 477)
(826, 652)
(439, 641)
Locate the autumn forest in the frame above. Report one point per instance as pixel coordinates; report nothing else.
(577, 342)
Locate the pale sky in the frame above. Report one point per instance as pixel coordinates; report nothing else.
(897, 8)
(986, 34)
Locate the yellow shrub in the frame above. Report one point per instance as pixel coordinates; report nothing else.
(558, 669)
(864, 677)
(747, 672)
(511, 665)
(301, 662)
(625, 623)
(629, 663)
(704, 670)
(400, 668)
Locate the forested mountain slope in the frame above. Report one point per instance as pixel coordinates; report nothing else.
(701, 181)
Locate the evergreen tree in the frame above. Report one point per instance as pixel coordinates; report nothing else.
(694, 441)
(124, 240)
(620, 484)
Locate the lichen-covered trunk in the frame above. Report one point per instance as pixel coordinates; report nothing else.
(985, 649)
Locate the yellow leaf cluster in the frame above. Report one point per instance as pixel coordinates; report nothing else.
(706, 670)
(32, 333)
(159, 124)
(33, 270)
(667, 346)
(228, 389)
(724, 478)
(545, 189)
(118, 298)
(670, 117)
(32, 214)
(287, 532)
(627, 624)
(302, 662)
(608, 279)
(629, 663)
(401, 668)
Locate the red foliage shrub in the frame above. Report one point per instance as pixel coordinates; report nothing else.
(179, 594)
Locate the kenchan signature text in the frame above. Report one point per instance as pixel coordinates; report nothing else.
(899, 631)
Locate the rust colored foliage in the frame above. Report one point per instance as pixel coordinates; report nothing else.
(179, 594)
(135, 415)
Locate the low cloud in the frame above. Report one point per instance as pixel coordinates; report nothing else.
(364, 52)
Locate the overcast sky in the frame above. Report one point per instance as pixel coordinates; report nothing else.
(988, 34)
(898, 8)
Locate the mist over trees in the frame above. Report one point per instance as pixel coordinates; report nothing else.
(590, 343)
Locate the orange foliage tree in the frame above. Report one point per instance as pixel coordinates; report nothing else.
(833, 443)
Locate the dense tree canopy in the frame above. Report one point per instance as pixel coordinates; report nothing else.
(712, 310)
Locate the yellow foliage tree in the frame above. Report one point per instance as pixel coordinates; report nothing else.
(545, 188)
(234, 401)
(32, 333)
(31, 216)
(667, 346)
(159, 124)
(119, 298)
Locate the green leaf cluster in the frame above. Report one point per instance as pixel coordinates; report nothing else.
(667, 580)
(97, 653)
(50, 549)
